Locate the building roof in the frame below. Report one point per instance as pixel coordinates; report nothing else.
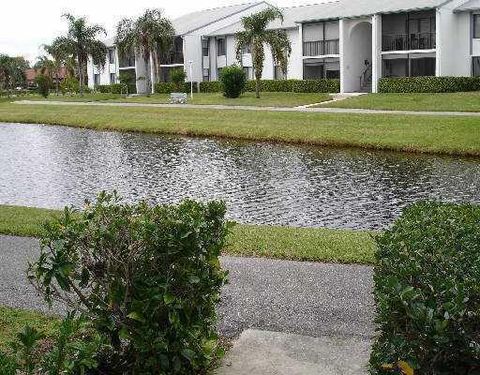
(468, 6)
(31, 74)
(196, 20)
(339, 9)
(358, 8)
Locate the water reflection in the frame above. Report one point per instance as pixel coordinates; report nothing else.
(262, 183)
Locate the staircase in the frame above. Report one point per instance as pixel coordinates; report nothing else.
(366, 79)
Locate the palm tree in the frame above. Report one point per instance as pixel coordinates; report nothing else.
(256, 36)
(81, 42)
(44, 65)
(149, 36)
(59, 59)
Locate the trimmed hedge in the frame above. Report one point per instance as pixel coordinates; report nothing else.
(285, 85)
(427, 290)
(169, 87)
(116, 88)
(211, 86)
(428, 84)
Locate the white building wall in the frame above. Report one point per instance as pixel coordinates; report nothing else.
(192, 51)
(376, 51)
(295, 63)
(355, 48)
(453, 41)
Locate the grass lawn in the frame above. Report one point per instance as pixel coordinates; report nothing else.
(448, 135)
(12, 321)
(267, 99)
(306, 244)
(456, 102)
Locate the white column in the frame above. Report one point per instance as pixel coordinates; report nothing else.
(376, 51)
(152, 74)
(341, 27)
(438, 36)
(300, 36)
(117, 65)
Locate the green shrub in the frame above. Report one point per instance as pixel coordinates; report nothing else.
(44, 84)
(128, 78)
(233, 80)
(70, 85)
(75, 349)
(428, 84)
(178, 77)
(427, 290)
(147, 277)
(169, 87)
(116, 88)
(285, 85)
(211, 86)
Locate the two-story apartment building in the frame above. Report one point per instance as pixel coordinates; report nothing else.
(357, 41)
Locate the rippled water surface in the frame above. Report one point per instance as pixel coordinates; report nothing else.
(262, 183)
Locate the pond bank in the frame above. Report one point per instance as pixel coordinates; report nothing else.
(453, 134)
(303, 244)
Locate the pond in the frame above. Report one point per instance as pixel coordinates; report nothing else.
(262, 183)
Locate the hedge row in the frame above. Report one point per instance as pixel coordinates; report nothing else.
(116, 88)
(427, 291)
(169, 87)
(429, 84)
(287, 85)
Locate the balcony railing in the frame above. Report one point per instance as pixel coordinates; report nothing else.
(403, 42)
(126, 61)
(321, 47)
(174, 57)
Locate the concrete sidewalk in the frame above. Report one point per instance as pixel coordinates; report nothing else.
(319, 314)
(252, 108)
(275, 353)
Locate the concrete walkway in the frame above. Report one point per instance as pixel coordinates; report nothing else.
(314, 312)
(251, 108)
(274, 353)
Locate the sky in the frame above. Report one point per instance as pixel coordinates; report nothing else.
(26, 25)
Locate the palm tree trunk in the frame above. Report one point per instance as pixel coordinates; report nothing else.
(80, 77)
(257, 88)
(147, 73)
(156, 64)
(56, 82)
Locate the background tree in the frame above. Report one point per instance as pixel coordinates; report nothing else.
(257, 36)
(59, 60)
(151, 35)
(82, 42)
(12, 72)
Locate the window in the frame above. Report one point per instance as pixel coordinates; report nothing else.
(96, 79)
(221, 47)
(409, 67)
(321, 68)
(422, 67)
(476, 26)
(247, 49)
(278, 73)
(206, 74)
(111, 56)
(205, 47)
(113, 78)
(476, 66)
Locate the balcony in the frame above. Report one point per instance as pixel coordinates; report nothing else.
(403, 42)
(321, 47)
(126, 61)
(174, 57)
